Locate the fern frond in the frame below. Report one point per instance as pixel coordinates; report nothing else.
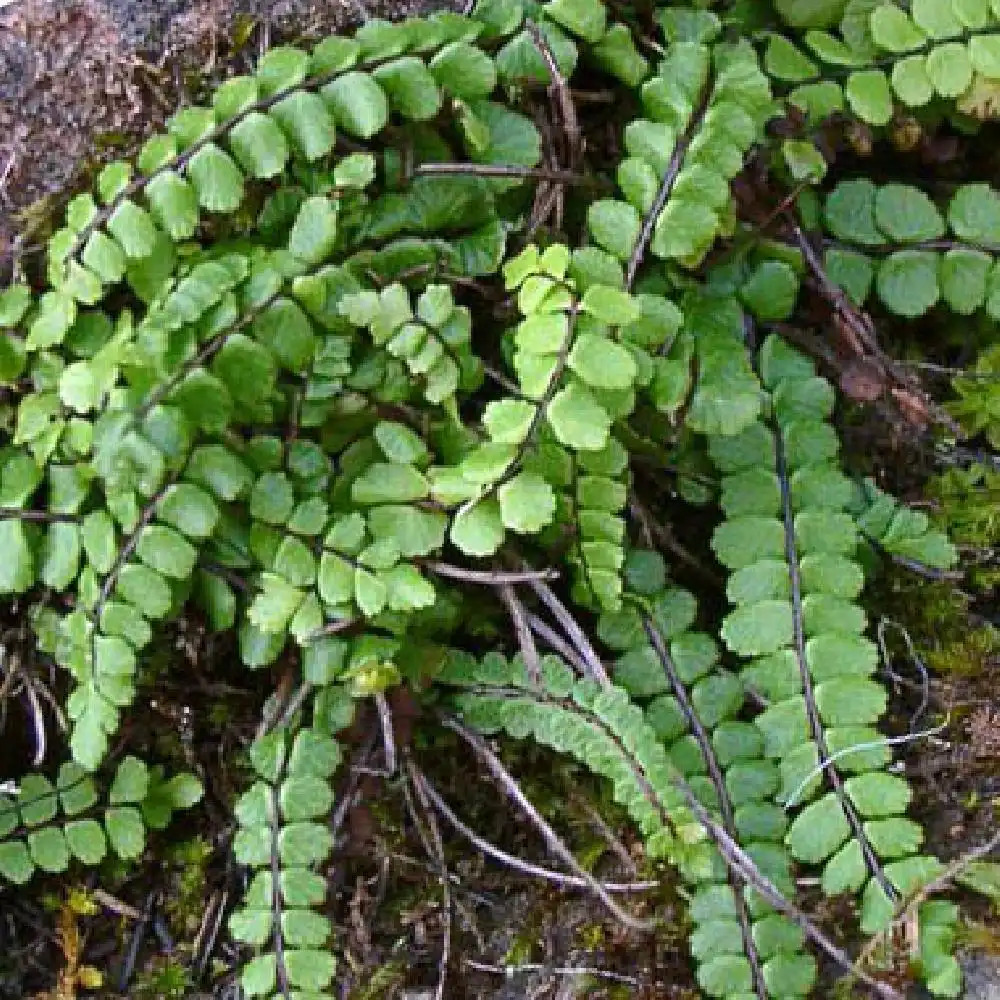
(283, 840)
(887, 52)
(601, 727)
(893, 242)
(791, 547)
(46, 825)
(742, 946)
(706, 107)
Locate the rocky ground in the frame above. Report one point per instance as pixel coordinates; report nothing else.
(82, 80)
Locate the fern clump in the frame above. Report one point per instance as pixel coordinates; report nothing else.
(385, 322)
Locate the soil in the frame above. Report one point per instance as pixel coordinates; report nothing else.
(82, 81)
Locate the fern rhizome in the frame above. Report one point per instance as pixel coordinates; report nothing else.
(387, 336)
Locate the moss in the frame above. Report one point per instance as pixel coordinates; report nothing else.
(383, 982)
(166, 979)
(186, 905)
(936, 615)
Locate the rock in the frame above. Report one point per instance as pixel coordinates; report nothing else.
(982, 976)
(82, 81)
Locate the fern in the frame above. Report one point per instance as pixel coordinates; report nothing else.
(283, 840)
(48, 825)
(601, 727)
(742, 946)
(886, 52)
(706, 106)
(790, 545)
(318, 340)
(894, 242)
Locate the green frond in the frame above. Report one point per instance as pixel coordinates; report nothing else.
(46, 826)
(283, 840)
(790, 544)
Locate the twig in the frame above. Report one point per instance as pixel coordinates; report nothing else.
(388, 740)
(708, 754)
(548, 634)
(12, 159)
(887, 741)
(490, 577)
(135, 941)
(350, 796)
(915, 659)
(560, 92)
(506, 170)
(574, 633)
(913, 565)
(519, 864)
(208, 931)
(38, 721)
(601, 826)
(908, 911)
(438, 854)
(737, 858)
(522, 630)
(552, 840)
(115, 905)
(509, 971)
(858, 325)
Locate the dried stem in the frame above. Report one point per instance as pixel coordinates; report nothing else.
(576, 635)
(519, 864)
(488, 577)
(552, 840)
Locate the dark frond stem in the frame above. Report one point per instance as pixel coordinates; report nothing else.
(725, 804)
(334, 628)
(913, 565)
(883, 250)
(666, 186)
(41, 516)
(859, 322)
(728, 847)
(541, 406)
(182, 159)
(697, 729)
(205, 353)
(872, 862)
(551, 838)
(125, 552)
(737, 858)
(276, 932)
(562, 97)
